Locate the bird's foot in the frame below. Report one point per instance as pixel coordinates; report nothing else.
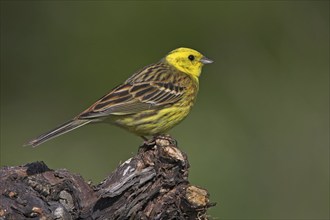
(148, 143)
(159, 140)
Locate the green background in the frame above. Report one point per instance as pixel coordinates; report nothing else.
(258, 136)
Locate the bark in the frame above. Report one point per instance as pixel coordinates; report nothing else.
(151, 185)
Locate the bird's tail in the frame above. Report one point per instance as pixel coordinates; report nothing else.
(62, 129)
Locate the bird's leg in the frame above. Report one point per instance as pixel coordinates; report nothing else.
(147, 143)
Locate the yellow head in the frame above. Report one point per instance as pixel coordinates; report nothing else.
(187, 60)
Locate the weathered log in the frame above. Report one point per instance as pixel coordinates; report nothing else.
(151, 185)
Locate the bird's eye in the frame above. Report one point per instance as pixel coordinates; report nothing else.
(191, 57)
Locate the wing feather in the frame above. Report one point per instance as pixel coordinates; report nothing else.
(135, 96)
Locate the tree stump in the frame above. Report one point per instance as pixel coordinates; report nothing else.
(151, 185)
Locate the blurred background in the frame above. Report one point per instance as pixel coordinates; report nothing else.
(258, 136)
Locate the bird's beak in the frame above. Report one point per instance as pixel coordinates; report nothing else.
(206, 60)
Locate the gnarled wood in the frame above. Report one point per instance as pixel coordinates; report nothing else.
(151, 185)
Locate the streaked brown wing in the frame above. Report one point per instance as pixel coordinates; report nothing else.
(129, 99)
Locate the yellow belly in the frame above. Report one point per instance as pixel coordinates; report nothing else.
(153, 122)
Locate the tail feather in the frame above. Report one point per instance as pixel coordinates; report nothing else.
(62, 129)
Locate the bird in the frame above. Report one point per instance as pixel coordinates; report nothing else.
(149, 103)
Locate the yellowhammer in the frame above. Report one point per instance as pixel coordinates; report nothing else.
(150, 102)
